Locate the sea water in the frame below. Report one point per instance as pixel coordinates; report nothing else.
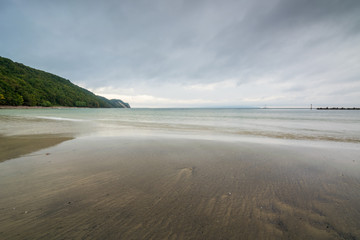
(269, 125)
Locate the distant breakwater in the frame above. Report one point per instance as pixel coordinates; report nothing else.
(337, 108)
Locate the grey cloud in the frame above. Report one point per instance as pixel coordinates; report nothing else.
(122, 43)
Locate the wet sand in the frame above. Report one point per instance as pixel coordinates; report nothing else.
(15, 146)
(163, 188)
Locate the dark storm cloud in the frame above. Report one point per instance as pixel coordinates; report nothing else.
(286, 33)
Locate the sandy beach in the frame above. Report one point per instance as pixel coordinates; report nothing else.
(166, 188)
(37, 107)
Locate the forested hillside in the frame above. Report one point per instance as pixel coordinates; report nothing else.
(25, 86)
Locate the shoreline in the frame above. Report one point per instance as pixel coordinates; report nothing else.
(36, 107)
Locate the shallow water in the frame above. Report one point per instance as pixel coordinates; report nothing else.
(260, 124)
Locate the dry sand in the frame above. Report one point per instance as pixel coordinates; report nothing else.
(163, 188)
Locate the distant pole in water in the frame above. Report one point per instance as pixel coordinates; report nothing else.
(311, 106)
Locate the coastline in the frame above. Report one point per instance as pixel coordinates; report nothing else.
(157, 188)
(35, 107)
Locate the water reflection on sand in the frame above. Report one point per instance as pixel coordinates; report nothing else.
(166, 188)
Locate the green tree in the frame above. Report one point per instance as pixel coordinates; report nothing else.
(22, 85)
(80, 104)
(45, 103)
(2, 99)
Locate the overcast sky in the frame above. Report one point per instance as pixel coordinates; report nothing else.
(193, 53)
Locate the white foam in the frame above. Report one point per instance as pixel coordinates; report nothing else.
(61, 119)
